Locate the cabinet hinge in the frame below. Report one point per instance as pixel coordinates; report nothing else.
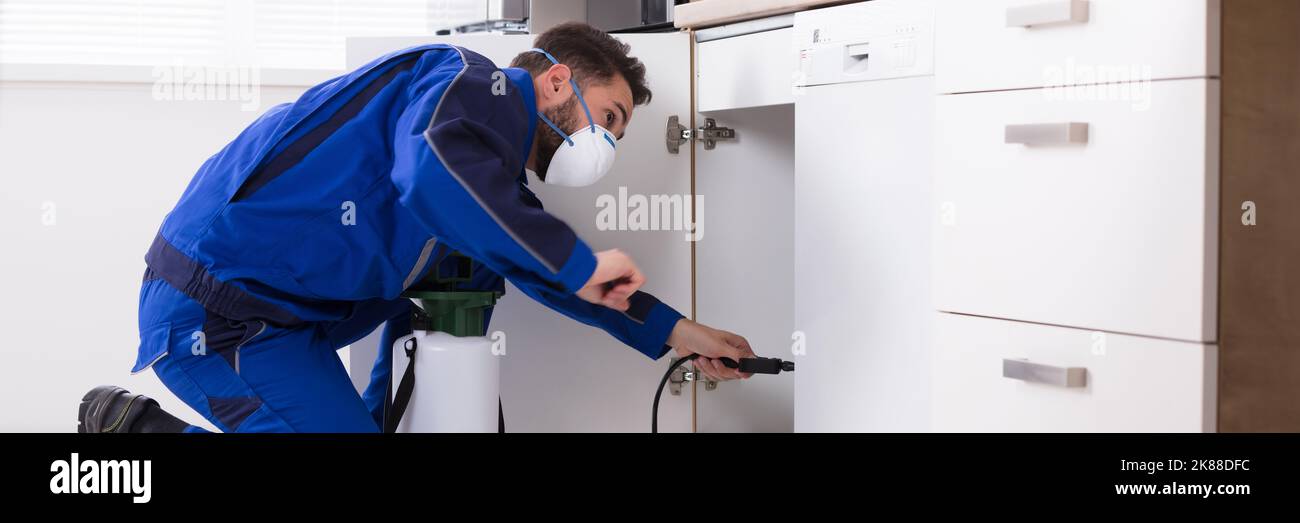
(710, 134)
(682, 375)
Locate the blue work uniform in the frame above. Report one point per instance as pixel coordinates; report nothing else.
(299, 236)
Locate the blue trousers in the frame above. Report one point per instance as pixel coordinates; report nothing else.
(255, 377)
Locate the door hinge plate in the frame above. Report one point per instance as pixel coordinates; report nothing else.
(710, 134)
(681, 376)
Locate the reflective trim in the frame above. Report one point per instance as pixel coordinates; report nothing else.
(242, 343)
(150, 364)
(419, 263)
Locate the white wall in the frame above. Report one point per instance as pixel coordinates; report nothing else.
(112, 161)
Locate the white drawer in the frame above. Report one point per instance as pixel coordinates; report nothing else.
(752, 70)
(1118, 234)
(977, 51)
(1130, 383)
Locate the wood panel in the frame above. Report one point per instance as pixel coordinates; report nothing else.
(1259, 371)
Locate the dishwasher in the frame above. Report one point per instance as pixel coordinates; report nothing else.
(864, 119)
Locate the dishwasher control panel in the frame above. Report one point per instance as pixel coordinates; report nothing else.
(865, 41)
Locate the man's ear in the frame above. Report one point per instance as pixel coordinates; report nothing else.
(554, 87)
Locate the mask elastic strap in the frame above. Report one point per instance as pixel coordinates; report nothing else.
(556, 127)
(576, 91)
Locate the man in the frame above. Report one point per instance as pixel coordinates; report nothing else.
(299, 236)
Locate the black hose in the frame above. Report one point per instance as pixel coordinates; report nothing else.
(654, 414)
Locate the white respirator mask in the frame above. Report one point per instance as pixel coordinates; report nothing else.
(586, 155)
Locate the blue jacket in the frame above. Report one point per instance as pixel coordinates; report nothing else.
(354, 191)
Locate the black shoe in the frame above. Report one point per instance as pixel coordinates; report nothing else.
(107, 408)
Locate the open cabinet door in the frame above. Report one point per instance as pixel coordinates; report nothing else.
(744, 261)
(557, 374)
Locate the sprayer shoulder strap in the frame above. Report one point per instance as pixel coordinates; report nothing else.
(393, 416)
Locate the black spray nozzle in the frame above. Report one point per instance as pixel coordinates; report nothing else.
(759, 365)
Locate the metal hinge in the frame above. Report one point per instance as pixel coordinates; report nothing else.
(682, 376)
(710, 134)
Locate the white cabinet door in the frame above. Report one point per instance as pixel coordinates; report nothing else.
(559, 375)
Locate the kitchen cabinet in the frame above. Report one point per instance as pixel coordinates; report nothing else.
(1115, 225)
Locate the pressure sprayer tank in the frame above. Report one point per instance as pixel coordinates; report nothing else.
(457, 378)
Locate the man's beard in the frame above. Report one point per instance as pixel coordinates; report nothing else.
(548, 141)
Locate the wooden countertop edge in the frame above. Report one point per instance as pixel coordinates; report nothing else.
(708, 13)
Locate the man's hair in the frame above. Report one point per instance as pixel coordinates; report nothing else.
(592, 55)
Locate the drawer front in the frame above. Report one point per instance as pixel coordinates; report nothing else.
(752, 70)
(1002, 376)
(1107, 221)
(1107, 41)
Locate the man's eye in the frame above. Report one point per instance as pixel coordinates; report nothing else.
(609, 118)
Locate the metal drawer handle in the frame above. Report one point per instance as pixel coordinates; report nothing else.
(1048, 13)
(1027, 371)
(1071, 133)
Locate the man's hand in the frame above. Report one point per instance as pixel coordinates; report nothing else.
(615, 279)
(689, 338)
